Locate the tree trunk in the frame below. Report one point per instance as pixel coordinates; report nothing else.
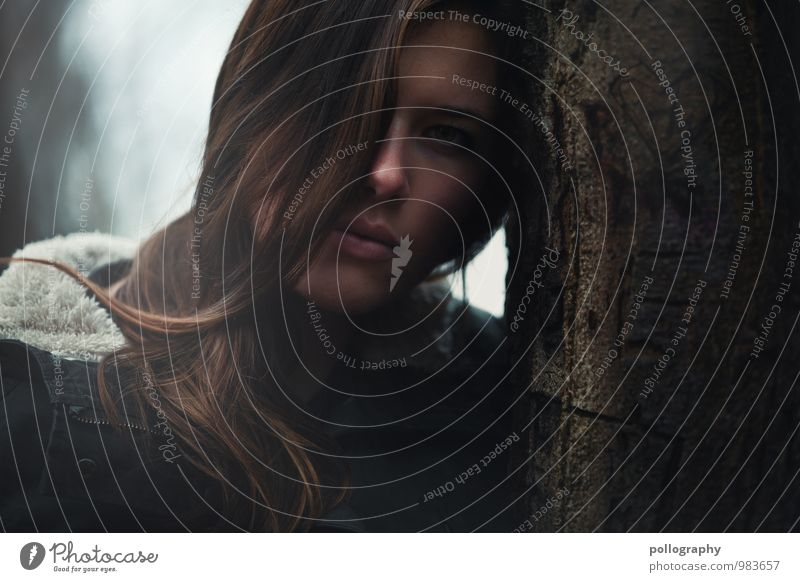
(661, 381)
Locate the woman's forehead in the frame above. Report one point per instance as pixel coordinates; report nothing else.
(447, 54)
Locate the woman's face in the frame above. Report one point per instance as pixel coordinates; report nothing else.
(425, 180)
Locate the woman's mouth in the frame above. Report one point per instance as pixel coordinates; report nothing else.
(360, 247)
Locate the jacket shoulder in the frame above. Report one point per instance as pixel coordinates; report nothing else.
(66, 468)
(64, 383)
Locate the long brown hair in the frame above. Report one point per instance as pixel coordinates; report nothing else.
(200, 289)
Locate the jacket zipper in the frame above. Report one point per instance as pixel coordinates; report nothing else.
(76, 416)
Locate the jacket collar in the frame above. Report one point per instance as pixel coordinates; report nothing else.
(45, 308)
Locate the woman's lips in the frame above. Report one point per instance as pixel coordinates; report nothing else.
(360, 247)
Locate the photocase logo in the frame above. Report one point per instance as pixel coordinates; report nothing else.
(31, 555)
(402, 256)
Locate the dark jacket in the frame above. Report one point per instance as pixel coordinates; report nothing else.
(430, 455)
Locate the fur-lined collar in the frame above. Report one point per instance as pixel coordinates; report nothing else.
(47, 309)
(43, 307)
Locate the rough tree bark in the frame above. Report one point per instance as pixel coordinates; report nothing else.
(681, 414)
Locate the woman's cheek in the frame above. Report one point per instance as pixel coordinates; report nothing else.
(439, 209)
(441, 240)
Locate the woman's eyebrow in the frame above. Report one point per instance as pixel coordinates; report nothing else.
(462, 112)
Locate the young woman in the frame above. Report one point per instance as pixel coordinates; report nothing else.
(286, 355)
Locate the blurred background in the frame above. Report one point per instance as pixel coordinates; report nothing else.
(117, 98)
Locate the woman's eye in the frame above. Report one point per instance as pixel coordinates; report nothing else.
(449, 135)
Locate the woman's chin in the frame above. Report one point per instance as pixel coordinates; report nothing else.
(353, 299)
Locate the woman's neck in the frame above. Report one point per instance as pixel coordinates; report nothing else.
(317, 340)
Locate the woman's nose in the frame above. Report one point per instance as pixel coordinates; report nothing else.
(388, 175)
